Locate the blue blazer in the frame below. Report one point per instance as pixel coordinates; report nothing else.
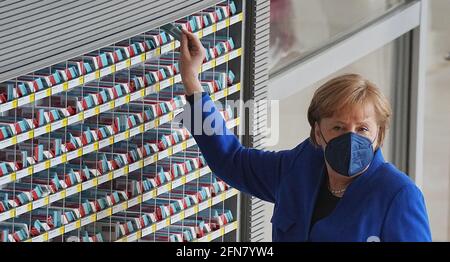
(382, 204)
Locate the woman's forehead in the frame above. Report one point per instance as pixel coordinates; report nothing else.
(355, 114)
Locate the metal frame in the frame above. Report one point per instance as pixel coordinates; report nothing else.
(102, 24)
(417, 99)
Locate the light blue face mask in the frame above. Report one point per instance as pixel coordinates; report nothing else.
(349, 154)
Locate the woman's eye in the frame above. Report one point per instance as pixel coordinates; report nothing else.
(363, 129)
(337, 128)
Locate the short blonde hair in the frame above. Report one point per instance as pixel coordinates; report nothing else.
(346, 92)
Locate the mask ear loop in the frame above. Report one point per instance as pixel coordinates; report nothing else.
(320, 130)
(376, 137)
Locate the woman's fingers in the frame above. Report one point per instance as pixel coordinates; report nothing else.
(184, 46)
(194, 43)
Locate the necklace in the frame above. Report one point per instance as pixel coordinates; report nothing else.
(336, 192)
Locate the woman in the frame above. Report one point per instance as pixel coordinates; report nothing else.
(334, 186)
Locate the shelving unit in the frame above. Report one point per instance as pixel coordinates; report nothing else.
(91, 149)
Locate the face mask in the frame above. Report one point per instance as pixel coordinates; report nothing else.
(349, 154)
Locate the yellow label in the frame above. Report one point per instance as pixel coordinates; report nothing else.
(112, 104)
(153, 193)
(127, 134)
(81, 116)
(124, 205)
(97, 110)
(48, 128)
(155, 157)
(127, 63)
(227, 22)
(14, 140)
(143, 57)
(197, 173)
(239, 51)
(171, 116)
(158, 51)
(196, 209)
(31, 134)
(45, 236)
(30, 170)
(14, 103)
(95, 181)
(241, 16)
(80, 152)
(238, 86)
(200, 34)
(46, 200)
(235, 225)
(141, 129)
(111, 140)
(13, 177)
(157, 87)
(48, 92)
(96, 146)
(139, 199)
(29, 207)
(169, 185)
(78, 224)
(213, 97)
(81, 80)
(127, 98)
(12, 213)
(209, 237)
(209, 202)
(141, 164)
(64, 122)
(63, 193)
(222, 231)
(183, 180)
(157, 122)
(171, 81)
(170, 151)
(184, 145)
(32, 98)
(167, 221)
(153, 228)
(214, 28)
(64, 158)
(225, 92)
(97, 74)
(172, 45)
(227, 57)
(110, 176)
(79, 188)
(65, 86)
(143, 93)
(47, 164)
(139, 234)
(113, 68)
(61, 230)
(222, 197)
(126, 169)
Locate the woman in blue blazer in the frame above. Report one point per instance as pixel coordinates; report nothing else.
(335, 185)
